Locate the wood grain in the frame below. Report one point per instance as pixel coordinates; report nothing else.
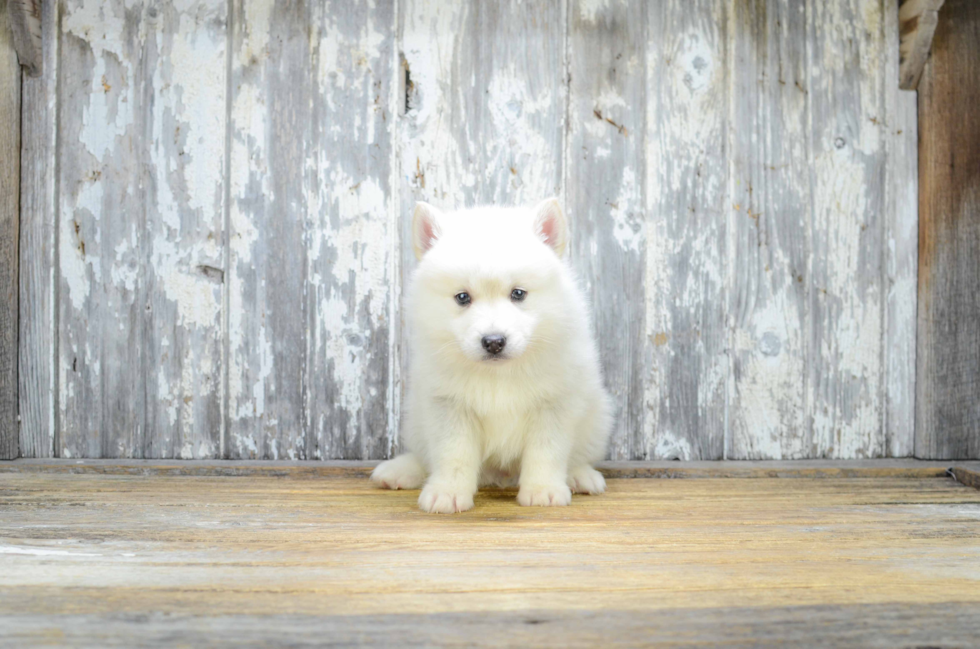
(140, 238)
(901, 251)
(310, 305)
(10, 96)
(606, 191)
(948, 348)
(484, 103)
(214, 247)
(38, 249)
(852, 625)
(182, 250)
(770, 215)
(352, 246)
(839, 626)
(25, 24)
(101, 212)
(917, 21)
(271, 174)
(845, 350)
(687, 228)
(87, 556)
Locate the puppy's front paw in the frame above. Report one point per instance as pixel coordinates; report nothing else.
(437, 499)
(403, 472)
(586, 480)
(547, 495)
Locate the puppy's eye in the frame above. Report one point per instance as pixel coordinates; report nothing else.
(518, 294)
(463, 298)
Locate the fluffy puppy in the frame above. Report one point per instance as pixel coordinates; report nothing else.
(504, 383)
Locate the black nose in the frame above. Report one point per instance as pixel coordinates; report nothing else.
(494, 343)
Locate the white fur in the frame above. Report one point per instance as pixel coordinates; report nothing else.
(539, 416)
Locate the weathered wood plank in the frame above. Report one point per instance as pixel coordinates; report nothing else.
(101, 212)
(38, 218)
(606, 198)
(844, 625)
(862, 561)
(272, 176)
(25, 23)
(900, 250)
(10, 97)
(351, 242)
(310, 306)
(844, 386)
(484, 103)
(770, 218)
(948, 348)
(182, 254)
(485, 107)
(917, 21)
(687, 153)
(140, 229)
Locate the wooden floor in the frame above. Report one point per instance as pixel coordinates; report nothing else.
(122, 557)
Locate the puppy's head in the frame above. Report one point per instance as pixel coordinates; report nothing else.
(489, 284)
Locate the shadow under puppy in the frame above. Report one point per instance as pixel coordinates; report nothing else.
(504, 383)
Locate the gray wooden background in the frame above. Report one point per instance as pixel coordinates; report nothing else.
(215, 202)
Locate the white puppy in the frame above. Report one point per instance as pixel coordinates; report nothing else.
(504, 379)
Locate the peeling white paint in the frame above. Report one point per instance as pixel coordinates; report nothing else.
(491, 138)
(770, 388)
(107, 115)
(357, 251)
(197, 298)
(198, 97)
(255, 22)
(73, 266)
(627, 213)
(123, 272)
(248, 161)
(166, 395)
(672, 447)
(686, 189)
(590, 10)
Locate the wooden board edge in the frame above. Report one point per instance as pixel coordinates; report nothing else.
(10, 97)
(830, 471)
(917, 25)
(611, 470)
(194, 468)
(25, 23)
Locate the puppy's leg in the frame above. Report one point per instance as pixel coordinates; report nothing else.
(403, 472)
(592, 435)
(544, 464)
(455, 455)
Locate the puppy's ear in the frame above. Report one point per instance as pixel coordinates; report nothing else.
(425, 228)
(550, 225)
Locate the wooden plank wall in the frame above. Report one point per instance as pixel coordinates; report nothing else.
(947, 406)
(220, 270)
